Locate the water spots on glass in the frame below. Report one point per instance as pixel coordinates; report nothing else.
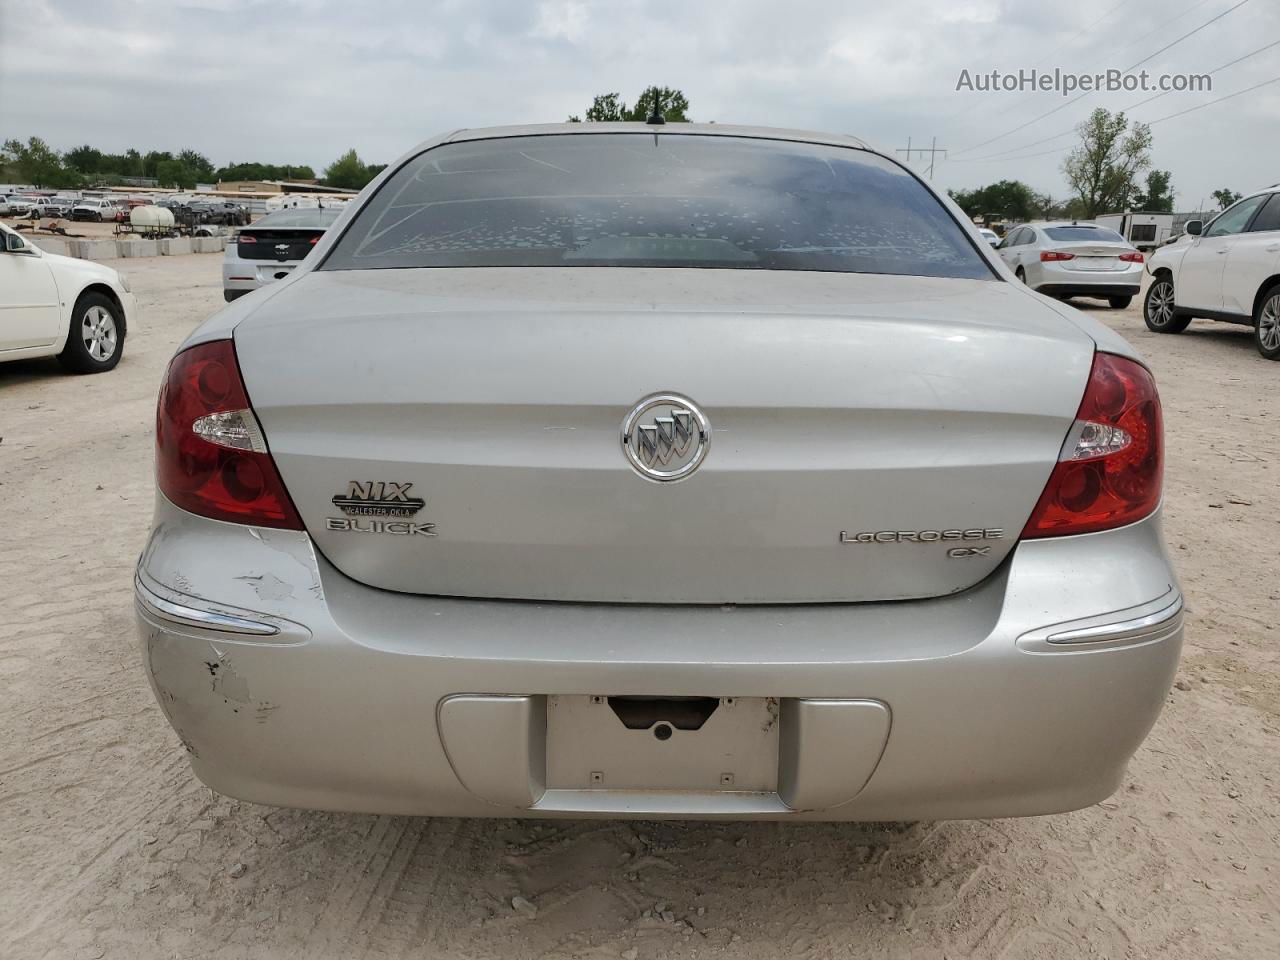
(616, 200)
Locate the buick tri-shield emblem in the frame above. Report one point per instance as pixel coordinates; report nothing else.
(665, 437)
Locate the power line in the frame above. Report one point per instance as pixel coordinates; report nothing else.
(1066, 133)
(1273, 43)
(1063, 106)
(1027, 156)
(1075, 36)
(1150, 123)
(1185, 35)
(1201, 106)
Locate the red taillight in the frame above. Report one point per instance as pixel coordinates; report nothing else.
(1049, 256)
(314, 240)
(1110, 469)
(211, 458)
(245, 238)
(1134, 257)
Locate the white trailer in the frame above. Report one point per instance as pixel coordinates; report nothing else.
(1146, 231)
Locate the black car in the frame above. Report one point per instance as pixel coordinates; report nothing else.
(220, 211)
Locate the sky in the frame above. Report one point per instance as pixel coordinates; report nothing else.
(300, 81)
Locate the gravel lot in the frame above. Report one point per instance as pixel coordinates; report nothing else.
(111, 848)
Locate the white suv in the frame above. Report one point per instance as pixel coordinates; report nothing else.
(1229, 270)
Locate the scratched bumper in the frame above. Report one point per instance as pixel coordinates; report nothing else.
(290, 684)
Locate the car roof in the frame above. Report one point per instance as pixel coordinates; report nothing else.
(300, 217)
(698, 129)
(1067, 223)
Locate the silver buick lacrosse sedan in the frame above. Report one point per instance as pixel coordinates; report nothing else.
(674, 471)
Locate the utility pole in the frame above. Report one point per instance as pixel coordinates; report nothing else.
(932, 151)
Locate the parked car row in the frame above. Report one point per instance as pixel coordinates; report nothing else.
(188, 210)
(211, 211)
(16, 205)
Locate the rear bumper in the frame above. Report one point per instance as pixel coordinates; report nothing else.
(1077, 289)
(247, 275)
(299, 687)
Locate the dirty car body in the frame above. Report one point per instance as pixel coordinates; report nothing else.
(690, 472)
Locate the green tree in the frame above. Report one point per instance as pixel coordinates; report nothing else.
(175, 173)
(348, 171)
(670, 103)
(86, 159)
(263, 171)
(609, 107)
(1158, 197)
(151, 162)
(1011, 199)
(199, 165)
(1104, 168)
(38, 164)
(605, 107)
(1226, 197)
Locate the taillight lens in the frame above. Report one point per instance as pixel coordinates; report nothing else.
(314, 240)
(1110, 470)
(211, 457)
(1134, 257)
(1049, 256)
(247, 238)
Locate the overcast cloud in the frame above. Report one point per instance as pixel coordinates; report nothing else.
(299, 81)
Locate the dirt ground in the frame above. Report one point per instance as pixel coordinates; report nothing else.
(109, 847)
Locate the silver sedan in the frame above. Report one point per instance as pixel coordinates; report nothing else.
(1074, 259)
(657, 471)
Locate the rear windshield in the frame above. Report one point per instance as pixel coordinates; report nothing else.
(666, 200)
(299, 218)
(1096, 234)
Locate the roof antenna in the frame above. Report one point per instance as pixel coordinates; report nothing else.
(655, 115)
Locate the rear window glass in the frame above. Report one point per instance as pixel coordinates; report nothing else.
(1096, 234)
(1269, 217)
(299, 218)
(666, 200)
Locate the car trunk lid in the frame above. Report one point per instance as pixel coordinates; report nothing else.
(279, 244)
(875, 437)
(1095, 256)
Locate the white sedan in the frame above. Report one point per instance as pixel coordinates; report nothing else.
(52, 306)
(1229, 270)
(1074, 259)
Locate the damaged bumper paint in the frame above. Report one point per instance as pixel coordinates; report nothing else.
(291, 684)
